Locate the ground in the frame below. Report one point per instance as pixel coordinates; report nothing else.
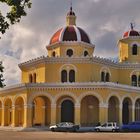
(8, 135)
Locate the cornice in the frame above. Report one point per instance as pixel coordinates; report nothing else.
(71, 43)
(72, 86)
(90, 60)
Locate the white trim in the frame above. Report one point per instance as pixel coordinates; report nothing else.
(92, 93)
(113, 94)
(62, 34)
(77, 33)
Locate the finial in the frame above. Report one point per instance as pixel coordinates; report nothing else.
(132, 25)
(71, 6)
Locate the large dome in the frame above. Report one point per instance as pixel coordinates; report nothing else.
(70, 33)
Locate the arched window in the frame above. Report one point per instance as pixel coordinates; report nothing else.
(69, 52)
(134, 80)
(72, 76)
(85, 53)
(102, 77)
(107, 77)
(53, 54)
(63, 76)
(34, 77)
(134, 49)
(30, 78)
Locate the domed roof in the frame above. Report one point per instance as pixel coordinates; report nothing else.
(70, 33)
(132, 32)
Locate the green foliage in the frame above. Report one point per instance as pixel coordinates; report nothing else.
(1, 76)
(17, 10)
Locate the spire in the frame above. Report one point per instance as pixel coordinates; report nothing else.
(132, 25)
(71, 18)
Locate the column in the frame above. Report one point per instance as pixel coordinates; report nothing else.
(133, 112)
(13, 121)
(3, 116)
(28, 115)
(53, 113)
(120, 114)
(103, 112)
(77, 113)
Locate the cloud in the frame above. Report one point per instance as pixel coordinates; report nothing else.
(104, 20)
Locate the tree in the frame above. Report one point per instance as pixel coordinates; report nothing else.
(17, 10)
(1, 76)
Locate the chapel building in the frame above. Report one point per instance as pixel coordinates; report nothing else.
(71, 84)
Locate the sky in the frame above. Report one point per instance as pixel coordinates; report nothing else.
(105, 21)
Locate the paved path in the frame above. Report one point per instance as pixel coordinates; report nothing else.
(7, 135)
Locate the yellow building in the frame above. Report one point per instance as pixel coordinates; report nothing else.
(71, 84)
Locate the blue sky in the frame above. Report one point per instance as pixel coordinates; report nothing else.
(105, 21)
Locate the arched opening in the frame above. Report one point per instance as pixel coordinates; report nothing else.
(19, 111)
(0, 112)
(134, 80)
(69, 52)
(71, 76)
(85, 53)
(137, 110)
(134, 49)
(30, 78)
(127, 111)
(67, 111)
(53, 54)
(34, 77)
(107, 77)
(113, 109)
(102, 76)
(139, 81)
(89, 111)
(63, 76)
(8, 112)
(41, 111)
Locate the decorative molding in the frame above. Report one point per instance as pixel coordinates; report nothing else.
(72, 60)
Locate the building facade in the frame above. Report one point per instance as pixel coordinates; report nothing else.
(71, 84)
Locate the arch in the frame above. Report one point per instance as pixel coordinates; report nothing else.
(99, 97)
(41, 111)
(19, 96)
(34, 77)
(30, 78)
(64, 76)
(67, 94)
(67, 111)
(1, 112)
(67, 67)
(107, 78)
(134, 80)
(89, 110)
(137, 109)
(53, 54)
(86, 53)
(113, 109)
(8, 111)
(71, 76)
(114, 94)
(102, 76)
(36, 94)
(127, 104)
(105, 69)
(19, 111)
(134, 49)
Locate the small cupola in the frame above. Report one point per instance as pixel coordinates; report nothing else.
(71, 17)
